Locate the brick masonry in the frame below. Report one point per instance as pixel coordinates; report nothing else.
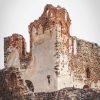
(55, 62)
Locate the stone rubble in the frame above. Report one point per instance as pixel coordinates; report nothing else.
(12, 86)
(69, 94)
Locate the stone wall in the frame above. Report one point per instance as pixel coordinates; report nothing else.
(85, 64)
(49, 35)
(12, 86)
(68, 94)
(15, 51)
(17, 41)
(56, 59)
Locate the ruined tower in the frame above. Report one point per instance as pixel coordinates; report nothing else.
(57, 59)
(61, 60)
(49, 47)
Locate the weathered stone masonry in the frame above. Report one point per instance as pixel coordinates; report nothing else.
(86, 63)
(56, 59)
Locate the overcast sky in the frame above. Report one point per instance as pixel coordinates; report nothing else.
(16, 15)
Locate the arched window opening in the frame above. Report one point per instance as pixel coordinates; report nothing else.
(88, 73)
(30, 85)
(85, 87)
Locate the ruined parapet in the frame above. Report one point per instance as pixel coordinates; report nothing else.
(50, 17)
(49, 46)
(15, 48)
(16, 41)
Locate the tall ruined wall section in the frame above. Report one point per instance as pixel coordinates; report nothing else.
(85, 64)
(15, 51)
(49, 47)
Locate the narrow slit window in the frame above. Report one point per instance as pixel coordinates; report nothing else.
(48, 77)
(88, 73)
